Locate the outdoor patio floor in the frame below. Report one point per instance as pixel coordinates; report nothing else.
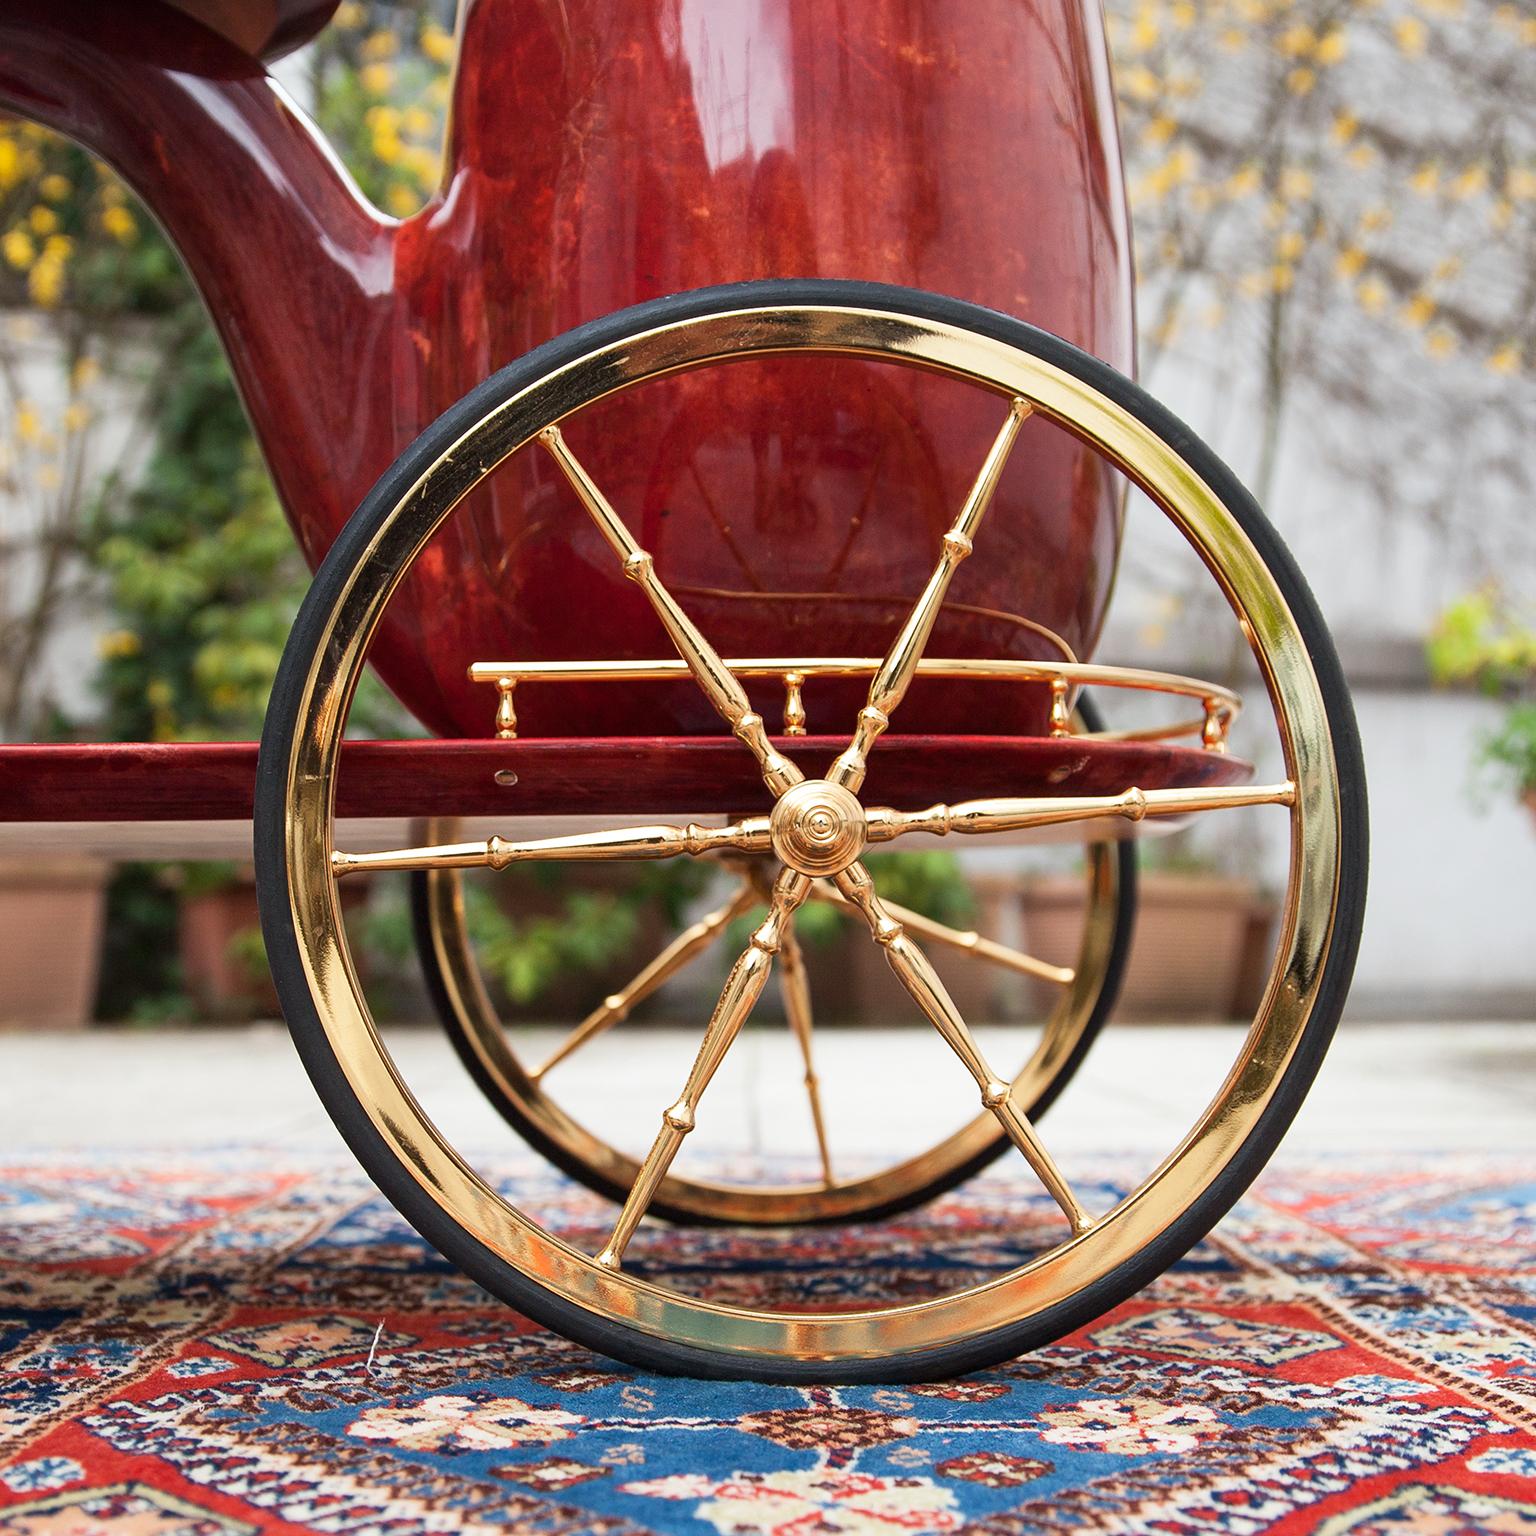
(1385, 1089)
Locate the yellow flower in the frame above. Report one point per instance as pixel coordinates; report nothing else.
(1362, 155)
(376, 78)
(1160, 129)
(118, 222)
(437, 44)
(1282, 277)
(1471, 181)
(1300, 81)
(157, 692)
(87, 371)
(1140, 84)
(10, 162)
(1376, 218)
(1298, 41)
(118, 642)
(58, 248)
(1445, 269)
(418, 122)
(401, 200)
(1182, 13)
(76, 416)
(382, 45)
(1411, 34)
(45, 282)
(1520, 183)
(387, 146)
(28, 427)
(1502, 214)
(1418, 311)
(1295, 182)
(1350, 262)
(1426, 178)
(18, 248)
(1331, 46)
(1345, 126)
(1244, 181)
(43, 220)
(48, 476)
(55, 187)
(1440, 342)
(1372, 295)
(423, 163)
(1290, 245)
(349, 15)
(1505, 360)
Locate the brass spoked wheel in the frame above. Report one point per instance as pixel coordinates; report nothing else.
(1105, 1245)
(520, 1090)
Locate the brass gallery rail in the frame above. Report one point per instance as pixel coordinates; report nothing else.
(1220, 706)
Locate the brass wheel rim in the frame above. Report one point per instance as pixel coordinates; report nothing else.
(1103, 1245)
(483, 1032)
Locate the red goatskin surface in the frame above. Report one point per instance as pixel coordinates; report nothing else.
(603, 152)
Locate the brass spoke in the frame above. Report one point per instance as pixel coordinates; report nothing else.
(795, 987)
(964, 939)
(719, 683)
(918, 976)
(890, 682)
(971, 817)
(742, 989)
(661, 841)
(691, 942)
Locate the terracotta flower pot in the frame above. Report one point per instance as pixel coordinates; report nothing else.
(1201, 947)
(51, 913)
(222, 960)
(216, 938)
(852, 983)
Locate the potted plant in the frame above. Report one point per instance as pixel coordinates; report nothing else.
(850, 981)
(1487, 640)
(1200, 952)
(76, 280)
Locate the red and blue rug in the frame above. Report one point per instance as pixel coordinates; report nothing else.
(239, 1342)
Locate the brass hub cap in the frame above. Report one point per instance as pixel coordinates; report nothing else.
(818, 828)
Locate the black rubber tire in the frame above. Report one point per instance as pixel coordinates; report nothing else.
(527, 1294)
(584, 1174)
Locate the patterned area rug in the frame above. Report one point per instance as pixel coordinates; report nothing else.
(243, 1342)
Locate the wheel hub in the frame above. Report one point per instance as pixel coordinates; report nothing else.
(818, 828)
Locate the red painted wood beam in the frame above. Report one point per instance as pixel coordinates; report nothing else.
(214, 781)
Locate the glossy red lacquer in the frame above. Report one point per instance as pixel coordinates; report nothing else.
(618, 776)
(607, 151)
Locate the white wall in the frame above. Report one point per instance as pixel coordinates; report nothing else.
(1451, 922)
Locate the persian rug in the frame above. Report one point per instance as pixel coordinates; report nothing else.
(243, 1341)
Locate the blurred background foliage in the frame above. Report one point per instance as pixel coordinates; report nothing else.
(1346, 191)
(1488, 640)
